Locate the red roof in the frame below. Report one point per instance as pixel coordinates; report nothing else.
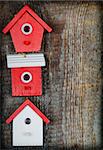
(26, 8)
(29, 103)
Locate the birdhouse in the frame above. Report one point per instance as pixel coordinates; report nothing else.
(27, 125)
(26, 74)
(27, 30)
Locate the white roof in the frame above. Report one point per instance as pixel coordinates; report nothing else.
(25, 60)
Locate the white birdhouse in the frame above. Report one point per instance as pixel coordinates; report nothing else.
(27, 125)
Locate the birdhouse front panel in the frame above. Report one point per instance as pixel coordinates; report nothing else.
(27, 128)
(27, 34)
(26, 81)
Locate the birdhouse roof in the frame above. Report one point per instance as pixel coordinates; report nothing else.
(33, 107)
(26, 8)
(27, 60)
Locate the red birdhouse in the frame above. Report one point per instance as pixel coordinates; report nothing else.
(26, 74)
(27, 30)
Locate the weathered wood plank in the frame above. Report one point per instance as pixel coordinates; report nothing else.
(72, 78)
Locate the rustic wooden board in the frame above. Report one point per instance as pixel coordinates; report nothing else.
(72, 79)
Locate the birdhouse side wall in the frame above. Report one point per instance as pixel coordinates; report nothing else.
(27, 134)
(27, 43)
(22, 88)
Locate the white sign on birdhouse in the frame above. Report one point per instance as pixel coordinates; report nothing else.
(27, 125)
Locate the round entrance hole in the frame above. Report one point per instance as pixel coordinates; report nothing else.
(26, 28)
(27, 121)
(26, 77)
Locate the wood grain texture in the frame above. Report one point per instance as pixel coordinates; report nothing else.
(72, 79)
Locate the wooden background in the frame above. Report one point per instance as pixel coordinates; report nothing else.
(72, 79)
